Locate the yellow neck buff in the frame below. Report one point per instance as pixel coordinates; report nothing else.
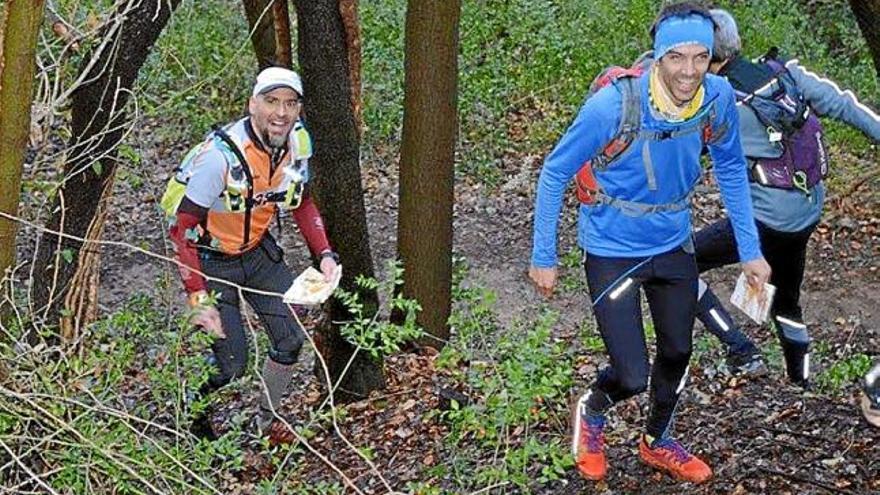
(662, 101)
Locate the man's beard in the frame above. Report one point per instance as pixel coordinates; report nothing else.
(274, 141)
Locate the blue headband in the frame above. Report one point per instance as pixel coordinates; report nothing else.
(675, 31)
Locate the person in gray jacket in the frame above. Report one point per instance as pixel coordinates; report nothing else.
(787, 192)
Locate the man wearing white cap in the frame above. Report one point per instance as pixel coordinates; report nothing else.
(233, 186)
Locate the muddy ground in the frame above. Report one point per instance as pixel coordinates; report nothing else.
(760, 435)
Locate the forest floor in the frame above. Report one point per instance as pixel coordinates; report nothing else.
(760, 434)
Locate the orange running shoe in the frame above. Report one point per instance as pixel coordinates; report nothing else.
(668, 455)
(588, 441)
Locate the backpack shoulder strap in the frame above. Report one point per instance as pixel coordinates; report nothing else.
(628, 128)
(644, 61)
(235, 149)
(773, 55)
(249, 202)
(777, 66)
(631, 107)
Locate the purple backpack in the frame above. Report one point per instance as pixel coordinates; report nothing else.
(782, 109)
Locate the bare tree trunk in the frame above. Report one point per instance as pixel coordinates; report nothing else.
(98, 125)
(82, 298)
(348, 9)
(282, 34)
(323, 57)
(261, 22)
(430, 124)
(867, 14)
(19, 27)
(269, 21)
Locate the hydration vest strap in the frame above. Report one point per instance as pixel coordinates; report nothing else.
(630, 121)
(249, 202)
(588, 188)
(637, 209)
(631, 116)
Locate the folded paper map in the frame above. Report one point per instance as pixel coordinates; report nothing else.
(753, 303)
(310, 288)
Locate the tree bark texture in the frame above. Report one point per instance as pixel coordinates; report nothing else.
(19, 28)
(82, 298)
(282, 34)
(348, 9)
(98, 124)
(336, 180)
(867, 14)
(430, 125)
(261, 24)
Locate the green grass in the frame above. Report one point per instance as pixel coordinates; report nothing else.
(92, 407)
(518, 378)
(524, 66)
(833, 47)
(519, 389)
(533, 61)
(201, 69)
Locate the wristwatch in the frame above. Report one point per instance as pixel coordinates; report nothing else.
(330, 254)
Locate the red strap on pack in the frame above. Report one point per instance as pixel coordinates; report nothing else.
(615, 147)
(585, 179)
(613, 73)
(587, 185)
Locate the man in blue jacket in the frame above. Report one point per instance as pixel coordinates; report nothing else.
(638, 233)
(786, 212)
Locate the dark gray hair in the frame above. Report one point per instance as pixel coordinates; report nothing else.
(727, 41)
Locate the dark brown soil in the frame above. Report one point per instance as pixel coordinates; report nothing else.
(760, 435)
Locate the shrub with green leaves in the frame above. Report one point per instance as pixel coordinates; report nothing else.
(524, 66)
(112, 416)
(844, 372)
(370, 328)
(200, 71)
(518, 379)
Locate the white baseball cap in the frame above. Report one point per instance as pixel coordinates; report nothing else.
(277, 77)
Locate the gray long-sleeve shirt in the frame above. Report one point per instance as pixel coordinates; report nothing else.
(792, 210)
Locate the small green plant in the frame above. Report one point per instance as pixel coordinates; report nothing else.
(704, 345)
(319, 488)
(844, 372)
(773, 355)
(590, 336)
(519, 379)
(367, 330)
(423, 488)
(572, 277)
(650, 333)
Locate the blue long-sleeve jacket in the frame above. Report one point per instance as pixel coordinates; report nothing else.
(792, 210)
(604, 230)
